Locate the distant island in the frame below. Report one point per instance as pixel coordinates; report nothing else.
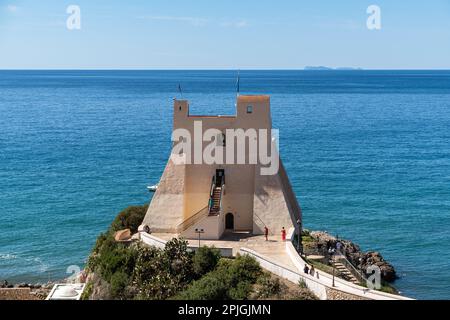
(320, 68)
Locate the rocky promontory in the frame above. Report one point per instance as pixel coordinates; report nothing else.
(353, 253)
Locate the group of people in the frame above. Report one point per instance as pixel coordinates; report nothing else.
(311, 271)
(283, 233)
(308, 270)
(336, 249)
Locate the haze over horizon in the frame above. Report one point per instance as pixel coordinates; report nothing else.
(224, 35)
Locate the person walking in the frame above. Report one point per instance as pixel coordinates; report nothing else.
(306, 269)
(312, 271)
(266, 233)
(283, 234)
(338, 246)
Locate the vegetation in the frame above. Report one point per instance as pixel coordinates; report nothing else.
(270, 286)
(205, 260)
(130, 218)
(160, 274)
(385, 287)
(87, 291)
(134, 271)
(231, 279)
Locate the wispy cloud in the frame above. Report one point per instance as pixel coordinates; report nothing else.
(234, 24)
(195, 21)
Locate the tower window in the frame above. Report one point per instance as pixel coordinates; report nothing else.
(249, 109)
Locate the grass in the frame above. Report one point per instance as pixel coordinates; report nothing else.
(322, 267)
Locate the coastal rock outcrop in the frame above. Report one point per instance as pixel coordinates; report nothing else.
(354, 254)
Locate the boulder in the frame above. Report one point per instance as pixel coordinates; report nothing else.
(123, 235)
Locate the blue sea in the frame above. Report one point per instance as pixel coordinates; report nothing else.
(367, 152)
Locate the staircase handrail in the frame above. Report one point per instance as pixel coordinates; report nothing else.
(357, 273)
(222, 192)
(193, 219)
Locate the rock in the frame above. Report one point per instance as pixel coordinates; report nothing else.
(23, 285)
(4, 284)
(354, 254)
(375, 258)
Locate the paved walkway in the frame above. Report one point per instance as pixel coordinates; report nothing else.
(273, 248)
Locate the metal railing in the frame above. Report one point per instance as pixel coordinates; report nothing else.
(196, 217)
(211, 194)
(357, 273)
(222, 192)
(193, 219)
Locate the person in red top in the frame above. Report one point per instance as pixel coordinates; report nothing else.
(266, 233)
(283, 234)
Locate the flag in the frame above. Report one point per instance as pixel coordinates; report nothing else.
(179, 89)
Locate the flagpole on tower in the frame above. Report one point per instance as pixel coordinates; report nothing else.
(180, 91)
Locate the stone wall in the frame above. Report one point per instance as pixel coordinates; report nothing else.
(17, 294)
(333, 294)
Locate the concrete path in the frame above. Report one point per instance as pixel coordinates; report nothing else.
(275, 249)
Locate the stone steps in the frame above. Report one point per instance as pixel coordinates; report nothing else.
(215, 207)
(345, 272)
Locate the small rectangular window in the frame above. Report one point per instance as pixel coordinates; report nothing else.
(249, 109)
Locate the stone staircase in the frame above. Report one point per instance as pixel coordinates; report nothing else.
(41, 295)
(346, 274)
(215, 207)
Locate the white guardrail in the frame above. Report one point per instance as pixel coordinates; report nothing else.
(160, 243)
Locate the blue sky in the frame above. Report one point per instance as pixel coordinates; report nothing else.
(224, 34)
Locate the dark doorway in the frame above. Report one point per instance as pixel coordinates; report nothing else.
(229, 221)
(220, 177)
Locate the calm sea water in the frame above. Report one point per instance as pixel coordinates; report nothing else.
(367, 152)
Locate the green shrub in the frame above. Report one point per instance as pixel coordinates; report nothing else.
(244, 269)
(160, 274)
(114, 257)
(205, 260)
(119, 283)
(240, 290)
(141, 272)
(302, 284)
(231, 279)
(243, 272)
(87, 291)
(303, 294)
(268, 286)
(149, 274)
(130, 218)
(179, 259)
(209, 287)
